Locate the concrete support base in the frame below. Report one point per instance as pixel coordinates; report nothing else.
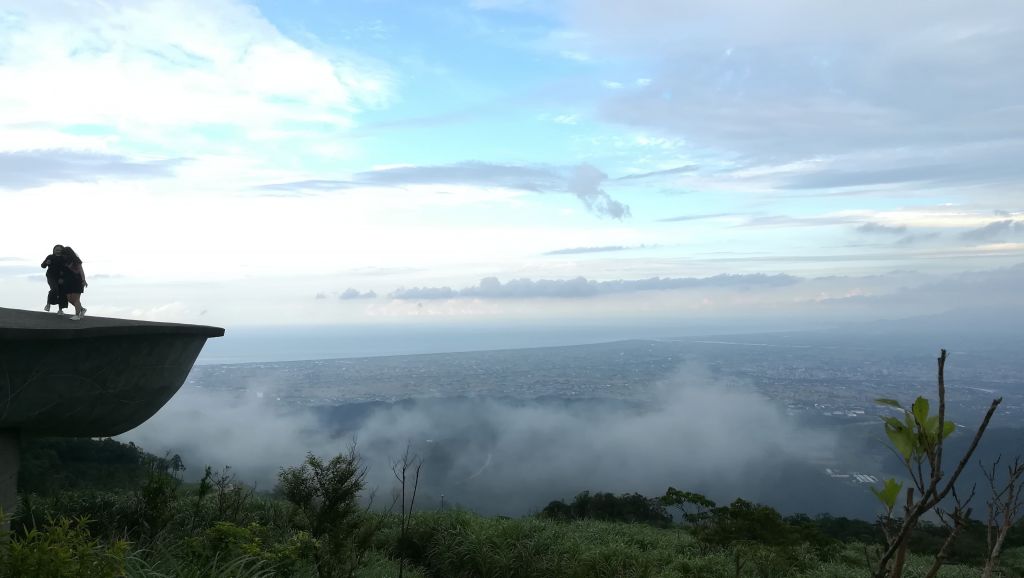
(92, 378)
(9, 461)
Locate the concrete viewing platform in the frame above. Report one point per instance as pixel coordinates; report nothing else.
(94, 377)
(21, 324)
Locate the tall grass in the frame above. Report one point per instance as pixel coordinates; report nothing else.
(257, 537)
(458, 544)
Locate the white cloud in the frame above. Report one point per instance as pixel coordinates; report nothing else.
(153, 124)
(583, 180)
(27, 169)
(575, 55)
(147, 70)
(579, 287)
(927, 94)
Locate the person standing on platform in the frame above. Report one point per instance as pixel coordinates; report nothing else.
(54, 265)
(74, 281)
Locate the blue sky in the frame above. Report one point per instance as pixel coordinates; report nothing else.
(303, 149)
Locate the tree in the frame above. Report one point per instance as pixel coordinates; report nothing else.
(629, 508)
(695, 508)
(918, 440)
(557, 510)
(325, 497)
(1004, 507)
(406, 470)
(743, 521)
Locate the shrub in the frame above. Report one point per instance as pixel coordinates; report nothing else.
(325, 497)
(63, 550)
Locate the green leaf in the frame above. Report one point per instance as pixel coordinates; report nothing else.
(889, 492)
(892, 422)
(889, 402)
(920, 409)
(903, 439)
(948, 428)
(931, 430)
(911, 422)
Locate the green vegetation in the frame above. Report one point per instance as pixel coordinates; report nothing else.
(461, 544)
(50, 465)
(918, 439)
(313, 526)
(218, 527)
(629, 508)
(101, 509)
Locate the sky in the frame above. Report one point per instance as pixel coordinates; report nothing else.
(383, 161)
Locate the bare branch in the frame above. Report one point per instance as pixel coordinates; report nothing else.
(1004, 506)
(967, 456)
(937, 468)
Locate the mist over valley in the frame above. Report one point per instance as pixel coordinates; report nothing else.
(786, 419)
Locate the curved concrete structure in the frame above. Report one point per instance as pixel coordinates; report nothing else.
(90, 378)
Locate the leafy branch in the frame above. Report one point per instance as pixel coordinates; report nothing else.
(918, 440)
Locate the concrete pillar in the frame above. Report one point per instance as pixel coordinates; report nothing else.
(9, 460)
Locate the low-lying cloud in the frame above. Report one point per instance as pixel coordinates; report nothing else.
(585, 250)
(493, 288)
(873, 228)
(583, 181)
(698, 217)
(658, 174)
(788, 221)
(349, 294)
(36, 168)
(996, 231)
(509, 457)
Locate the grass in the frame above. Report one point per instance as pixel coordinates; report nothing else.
(457, 544)
(259, 542)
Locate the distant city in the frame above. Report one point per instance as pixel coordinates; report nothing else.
(828, 380)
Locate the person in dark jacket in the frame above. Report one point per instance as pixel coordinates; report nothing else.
(74, 281)
(54, 265)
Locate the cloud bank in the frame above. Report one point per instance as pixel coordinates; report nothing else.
(872, 228)
(493, 288)
(586, 250)
(997, 231)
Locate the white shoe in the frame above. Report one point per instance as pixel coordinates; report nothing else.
(75, 317)
(47, 308)
(60, 312)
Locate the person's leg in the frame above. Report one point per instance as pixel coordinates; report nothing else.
(52, 296)
(73, 298)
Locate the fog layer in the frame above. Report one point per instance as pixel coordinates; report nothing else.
(513, 456)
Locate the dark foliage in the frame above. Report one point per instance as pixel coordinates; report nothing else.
(51, 465)
(325, 496)
(629, 508)
(842, 529)
(743, 521)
